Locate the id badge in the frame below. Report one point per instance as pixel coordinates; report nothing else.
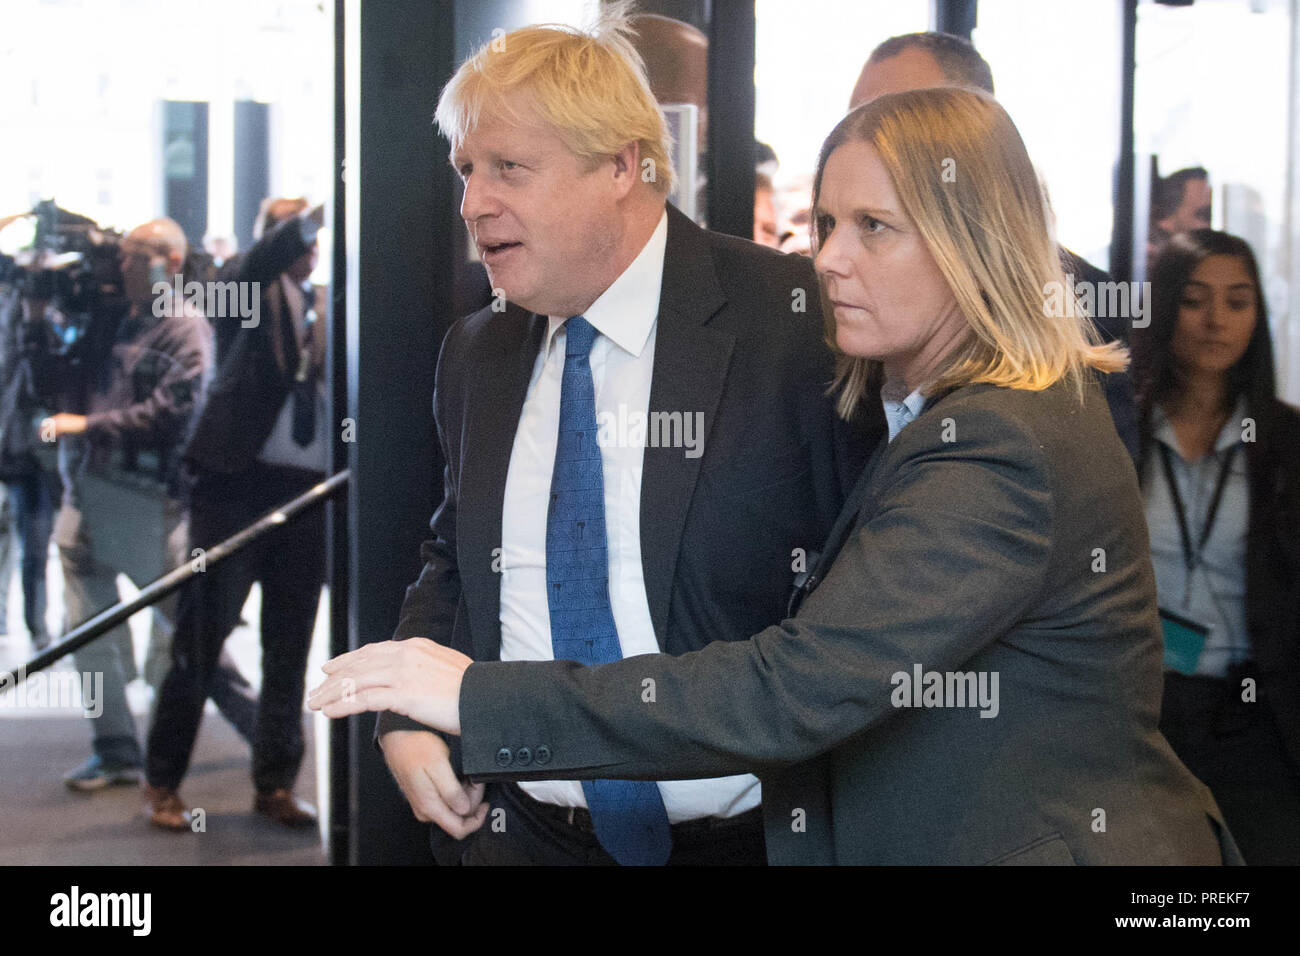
(1184, 640)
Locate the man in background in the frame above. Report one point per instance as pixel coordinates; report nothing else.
(140, 399)
(915, 61)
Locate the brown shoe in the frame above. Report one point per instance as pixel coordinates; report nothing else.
(284, 808)
(164, 808)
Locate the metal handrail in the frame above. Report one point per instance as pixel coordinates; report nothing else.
(155, 591)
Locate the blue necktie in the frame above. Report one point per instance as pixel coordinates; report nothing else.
(628, 815)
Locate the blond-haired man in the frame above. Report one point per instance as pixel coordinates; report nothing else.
(639, 451)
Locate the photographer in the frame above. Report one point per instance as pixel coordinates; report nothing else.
(121, 509)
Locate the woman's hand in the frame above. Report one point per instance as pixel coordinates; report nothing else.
(416, 678)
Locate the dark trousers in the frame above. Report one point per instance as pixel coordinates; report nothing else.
(519, 831)
(33, 518)
(289, 562)
(1235, 749)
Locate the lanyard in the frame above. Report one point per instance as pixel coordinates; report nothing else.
(1193, 558)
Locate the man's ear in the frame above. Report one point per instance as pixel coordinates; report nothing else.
(627, 167)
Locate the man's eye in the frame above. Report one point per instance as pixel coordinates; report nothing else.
(507, 165)
(824, 225)
(1192, 303)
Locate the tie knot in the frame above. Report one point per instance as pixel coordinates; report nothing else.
(579, 334)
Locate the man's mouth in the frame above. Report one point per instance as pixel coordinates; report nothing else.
(494, 250)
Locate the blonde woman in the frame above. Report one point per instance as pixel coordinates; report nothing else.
(971, 674)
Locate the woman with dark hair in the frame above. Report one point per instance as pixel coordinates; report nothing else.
(1220, 472)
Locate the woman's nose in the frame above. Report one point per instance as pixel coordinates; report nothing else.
(829, 260)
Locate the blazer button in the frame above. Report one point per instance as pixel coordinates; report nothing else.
(523, 756)
(543, 754)
(505, 757)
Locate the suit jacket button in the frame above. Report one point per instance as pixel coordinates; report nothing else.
(505, 757)
(523, 756)
(543, 755)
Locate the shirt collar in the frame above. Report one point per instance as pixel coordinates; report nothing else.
(1230, 434)
(899, 414)
(626, 311)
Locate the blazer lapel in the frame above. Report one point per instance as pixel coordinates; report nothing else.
(690, 368)
(495, 402)
(848, 516)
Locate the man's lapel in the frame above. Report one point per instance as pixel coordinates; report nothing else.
(690, 366)
(496, 400)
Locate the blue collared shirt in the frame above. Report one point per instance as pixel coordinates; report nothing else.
(899, 414)
(1214, 595)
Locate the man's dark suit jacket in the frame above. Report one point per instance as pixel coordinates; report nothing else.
(255, 364)
(1112, 328)
(972, 543)
(739, 337)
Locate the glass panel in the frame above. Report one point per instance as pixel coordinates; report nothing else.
(124, 111)
(1063, 92)
(807, 59)
(1215, 90)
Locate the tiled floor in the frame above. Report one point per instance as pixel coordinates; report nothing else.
(42, 822)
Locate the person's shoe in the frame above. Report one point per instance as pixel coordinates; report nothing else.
(164, 808)
(96, 774)
(284, 808)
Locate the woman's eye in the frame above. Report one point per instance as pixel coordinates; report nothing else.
(1240, 305)
(1191, 303)
(871, 225)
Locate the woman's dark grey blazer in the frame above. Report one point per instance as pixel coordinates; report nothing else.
(1000, 533)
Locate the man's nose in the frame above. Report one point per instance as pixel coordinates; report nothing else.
(478, 200)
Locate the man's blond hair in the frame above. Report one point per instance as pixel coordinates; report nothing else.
(964, 178)
(589, 87)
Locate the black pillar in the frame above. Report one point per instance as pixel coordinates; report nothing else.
(398, 247)
(1121, 237)
(956, 17)
(731, 127)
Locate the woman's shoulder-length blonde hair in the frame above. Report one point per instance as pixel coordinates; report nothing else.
(964, 178)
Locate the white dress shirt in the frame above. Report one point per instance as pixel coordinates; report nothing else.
(622, 362)
(279, 447)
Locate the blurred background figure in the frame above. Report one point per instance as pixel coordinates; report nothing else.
(122, 510)
(921, 60)
(6, 559)
(766, 231)
(676, 58)
(260, 439)
(1180, 202)
(25, 331)
(767, 218)
(1220, 471)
